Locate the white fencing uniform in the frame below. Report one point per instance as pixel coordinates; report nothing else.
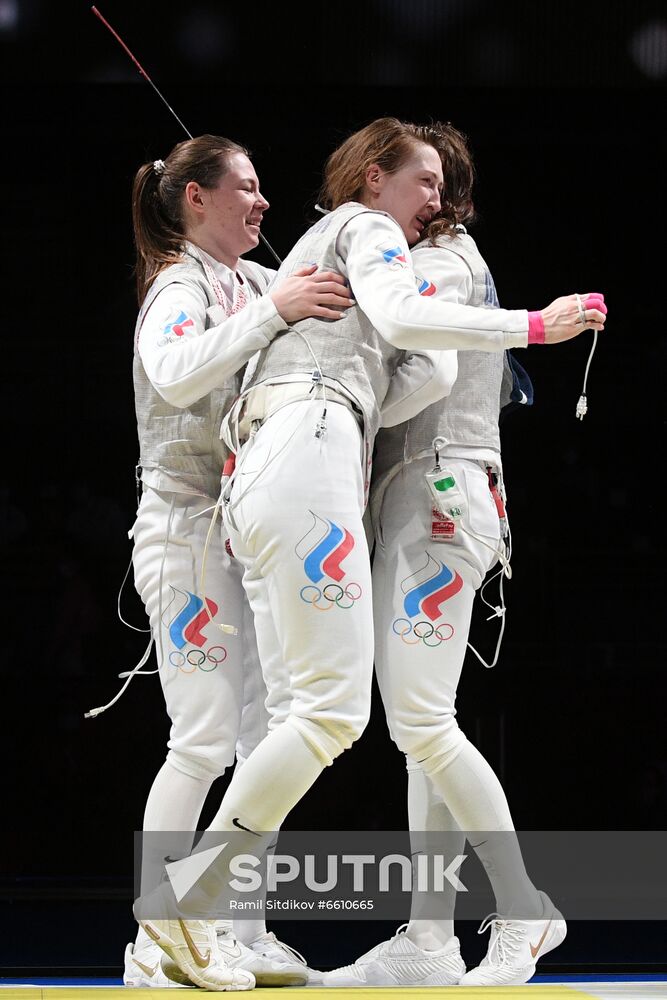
(198, 327)
(425, 575)
(425, 578)
(423, 589)
(297, 501)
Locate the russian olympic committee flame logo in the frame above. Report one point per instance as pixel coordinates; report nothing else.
(322, 549)
(178, 325)
(395, 256)
(424, 286)
(186, 617)
(425, 592)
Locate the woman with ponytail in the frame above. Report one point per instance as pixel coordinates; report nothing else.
(204, 311)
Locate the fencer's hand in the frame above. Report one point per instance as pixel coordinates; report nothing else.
(564, 318)
(309, 292)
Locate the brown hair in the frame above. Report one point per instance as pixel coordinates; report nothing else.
(458, 173)
(386, 141)
(157, 201)
(389, 142)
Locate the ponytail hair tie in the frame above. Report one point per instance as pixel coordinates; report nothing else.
(159, 167)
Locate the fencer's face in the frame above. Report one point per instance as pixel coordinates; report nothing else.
(411, 194)
(229, 215)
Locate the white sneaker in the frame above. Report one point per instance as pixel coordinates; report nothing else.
(278, 964)
(142, 967)
(399, 962)
(270, 962)
(193, 955)
(515, 946)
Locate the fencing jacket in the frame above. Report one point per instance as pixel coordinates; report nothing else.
(363, 350)
(188, 357)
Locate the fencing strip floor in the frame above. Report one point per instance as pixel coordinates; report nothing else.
(618, 988)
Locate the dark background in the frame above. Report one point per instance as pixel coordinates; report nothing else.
(563, 104)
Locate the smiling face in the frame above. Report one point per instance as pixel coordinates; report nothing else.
(225, 220)
(411, 194)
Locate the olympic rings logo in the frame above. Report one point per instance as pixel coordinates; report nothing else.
(332, 594)
(422, 631)
(188, 662)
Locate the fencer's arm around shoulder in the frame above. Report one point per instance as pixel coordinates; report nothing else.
(384, 285)
(183, 359)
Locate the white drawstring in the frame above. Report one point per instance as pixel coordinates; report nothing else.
(132, 673)
(499, 611)
(134, 628)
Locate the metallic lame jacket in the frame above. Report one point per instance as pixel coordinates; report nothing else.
(181, 447)
(468, 417)
(352, 353)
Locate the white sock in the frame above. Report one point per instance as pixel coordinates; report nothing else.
(248, 931)
(278, 772)
(175, 800)
(276, 775)
(476, 800)
(428, 813)
(142, 939)
(174, 805)
(430, 935)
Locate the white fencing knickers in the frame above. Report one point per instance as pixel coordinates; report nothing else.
(423, 591)
(211, 680)
(423, 596)
(295, 523)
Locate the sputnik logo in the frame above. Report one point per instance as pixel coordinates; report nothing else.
(184, 874)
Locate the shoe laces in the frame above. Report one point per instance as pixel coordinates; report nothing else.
(379, 949)
(506, 938)
(270, 938)
(387, 944)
